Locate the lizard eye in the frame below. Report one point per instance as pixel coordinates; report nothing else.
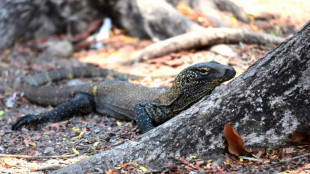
(204, 71)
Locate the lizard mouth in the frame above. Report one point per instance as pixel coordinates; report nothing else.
(215, 83)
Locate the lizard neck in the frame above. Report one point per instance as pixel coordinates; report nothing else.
(175, 100)
(167, 97)
(178, 98)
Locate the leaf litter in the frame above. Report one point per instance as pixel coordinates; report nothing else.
(91, 134)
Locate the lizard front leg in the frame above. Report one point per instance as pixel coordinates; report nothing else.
(150, 115)
(142, 117)
(80, 104)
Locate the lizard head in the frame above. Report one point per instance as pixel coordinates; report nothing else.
(195, 82)
(204, 75)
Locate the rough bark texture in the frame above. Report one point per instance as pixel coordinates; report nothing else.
(158, 20)
(265, 105)
(226, 5)
(27, 19)
(207, 37)
(212, 9)
(20, 18)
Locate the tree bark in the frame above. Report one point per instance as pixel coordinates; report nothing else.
(226, 5)
(157, 20)
(265, 105)
(28, 19)
(212, 9)
(20, 18)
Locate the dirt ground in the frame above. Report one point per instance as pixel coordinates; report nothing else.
(55, 145)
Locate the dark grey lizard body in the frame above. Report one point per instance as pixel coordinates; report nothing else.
(122, 100)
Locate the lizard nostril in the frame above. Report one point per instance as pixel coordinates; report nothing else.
(230, 72)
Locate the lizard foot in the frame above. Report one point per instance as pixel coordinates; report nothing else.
(27, 120)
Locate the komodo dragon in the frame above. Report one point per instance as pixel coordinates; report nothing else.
(150, 107)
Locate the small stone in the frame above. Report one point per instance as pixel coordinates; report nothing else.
(48, 150)
(8, 131)
(223, 50)
(75, 82)
(218, 161)
(201, 171)
(97, 130)
(60, 48)
(24, 130)
(96, 118)
(87, 133)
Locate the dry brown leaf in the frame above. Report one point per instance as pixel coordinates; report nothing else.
(235, 145)
(300, 138)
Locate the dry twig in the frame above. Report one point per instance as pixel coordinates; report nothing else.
(295, 157)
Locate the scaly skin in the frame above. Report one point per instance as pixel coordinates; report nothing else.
(122, 100)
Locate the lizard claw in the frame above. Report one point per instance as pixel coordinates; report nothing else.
(25, 121)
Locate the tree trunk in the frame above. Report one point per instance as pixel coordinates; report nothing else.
(212, 9)
(157, 20)
(19, 18)
(265, 105)
(28, 19)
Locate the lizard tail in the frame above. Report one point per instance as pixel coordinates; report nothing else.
(45, 77)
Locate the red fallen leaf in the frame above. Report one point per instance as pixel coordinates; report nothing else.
(188, 168)
(57, 125)
(300, 138)
(82, 45)
(24, 100)
(33, 170)
(6, 165)
(31, 152)
(111, 171)
(235, 145)
(90, 29)
(124, 165)
(183, 160)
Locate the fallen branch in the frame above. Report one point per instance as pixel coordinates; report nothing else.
(251, 159)
(206, 37)
(35, 157)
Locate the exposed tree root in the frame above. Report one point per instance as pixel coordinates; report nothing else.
(207, 37)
